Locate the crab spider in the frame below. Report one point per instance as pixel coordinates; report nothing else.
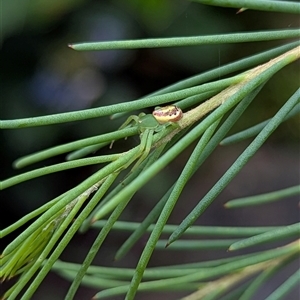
(149, 124)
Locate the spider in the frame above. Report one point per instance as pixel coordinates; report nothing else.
(148, 124)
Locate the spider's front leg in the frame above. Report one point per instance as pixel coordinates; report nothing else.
(128, 123)
(131, 119)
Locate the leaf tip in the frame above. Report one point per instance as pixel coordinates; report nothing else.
(241, 10)
(226, 205)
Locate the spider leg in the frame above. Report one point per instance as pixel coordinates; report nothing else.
(126, 124)
(145, 146)
(129, 120)
(143, 151)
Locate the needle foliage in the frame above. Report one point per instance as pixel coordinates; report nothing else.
(211, 106)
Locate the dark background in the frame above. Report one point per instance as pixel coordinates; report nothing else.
(40, 75)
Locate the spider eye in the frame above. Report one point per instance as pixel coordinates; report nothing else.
(170, 113)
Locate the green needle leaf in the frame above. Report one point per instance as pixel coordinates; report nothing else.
(266, 5)
(57, 150)
(272, 235)
(286, 287)
(116, 108)
(191, 41)
(57, 168)
(264, 198)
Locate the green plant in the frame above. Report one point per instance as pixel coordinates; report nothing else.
(212, 107)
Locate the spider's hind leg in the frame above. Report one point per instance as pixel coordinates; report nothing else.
(145, 147)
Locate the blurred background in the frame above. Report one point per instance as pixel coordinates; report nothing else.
(40, 75)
